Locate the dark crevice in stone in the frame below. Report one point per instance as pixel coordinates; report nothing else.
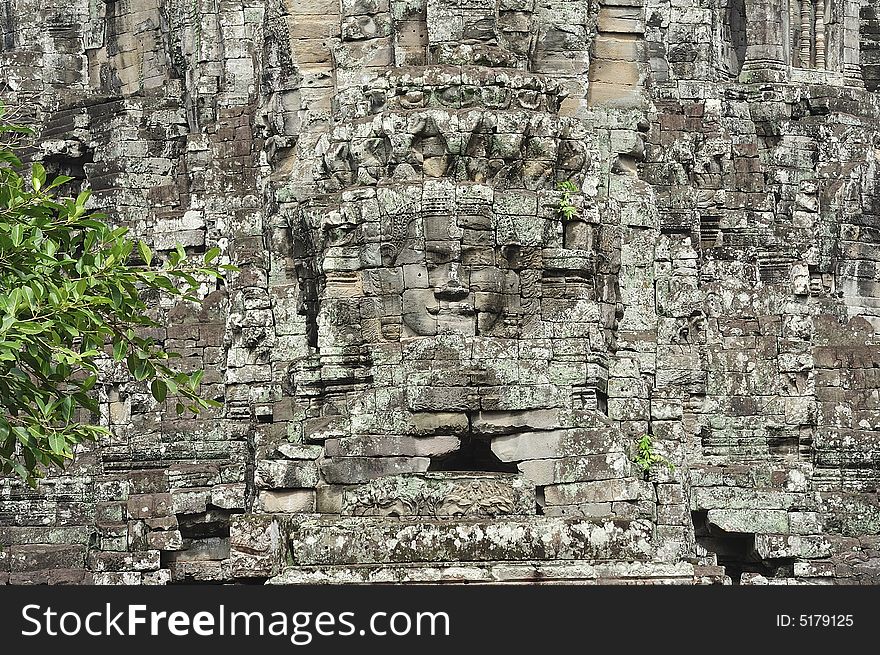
(213, 523)
(251, 581)
(869, 37)
(474, 454)
(736, 552)
(735, 28)
(249, 470)
(8, 26)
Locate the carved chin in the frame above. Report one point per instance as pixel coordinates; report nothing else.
(462, 321)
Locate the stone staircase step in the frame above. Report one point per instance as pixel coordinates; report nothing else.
(369, 540)
(442, 494)
(495, 572)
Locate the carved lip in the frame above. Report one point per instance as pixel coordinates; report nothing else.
(456, 309)
(461, 475)
(451, 292)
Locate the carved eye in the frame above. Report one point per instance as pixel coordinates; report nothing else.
(340, 233)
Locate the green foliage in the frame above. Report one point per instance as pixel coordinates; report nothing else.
(72, 304)
(646, 458)
(565, 208)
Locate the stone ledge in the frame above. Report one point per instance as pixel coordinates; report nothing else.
(528, 572)
(437, 494)
(367, 540)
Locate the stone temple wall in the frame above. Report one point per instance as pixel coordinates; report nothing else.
(429, 372)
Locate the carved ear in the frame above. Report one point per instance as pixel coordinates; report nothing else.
(389, 253)
(511, 253)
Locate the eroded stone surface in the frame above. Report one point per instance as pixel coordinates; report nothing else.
(375, 541)
(442, 494)
(412, 299)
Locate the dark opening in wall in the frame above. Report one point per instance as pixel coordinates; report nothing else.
(734, 35)
(304, 252)
(8, 26)
(474, 454)
(775, 267)
(72, 162)
(204, 525)
(783, 445)
(869, 45)
(602, 402)
(735, 551)
(205, 544)
(788, 445)
(710, 230)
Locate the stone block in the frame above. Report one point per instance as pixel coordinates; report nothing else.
(257, 545)
(750, 520)
(577, 469)
(357, 540)
(229, 496)
(142, 506)
(286, 474)
(441, 494)
(355, 470)
(108, 561)
(555, 443)
(377, 446)
(598, 492)
(36, 557)
(775, 546)
(286, 502)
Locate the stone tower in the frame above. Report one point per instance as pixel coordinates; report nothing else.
(485, 247)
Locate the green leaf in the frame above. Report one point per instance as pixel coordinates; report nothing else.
(30, 328)
(118, 349)
(145, 252)
(68, 295)
(196, 378)
(10, 159)
(59, 180)
(38, 176)
(67, 408)
(17, 234)
(159, 390)
(21, 471)
(140, 372)
(57, 443)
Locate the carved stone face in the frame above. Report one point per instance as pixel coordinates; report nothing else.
(441, 297)
(447, 290)
(480, 31)
(410, 261)
(451, 286)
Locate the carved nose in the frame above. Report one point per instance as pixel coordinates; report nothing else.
(452, 290)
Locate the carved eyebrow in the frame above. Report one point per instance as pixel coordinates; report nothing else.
(443, 247)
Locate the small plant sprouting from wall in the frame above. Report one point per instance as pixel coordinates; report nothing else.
(645, 457)
(566, 209)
